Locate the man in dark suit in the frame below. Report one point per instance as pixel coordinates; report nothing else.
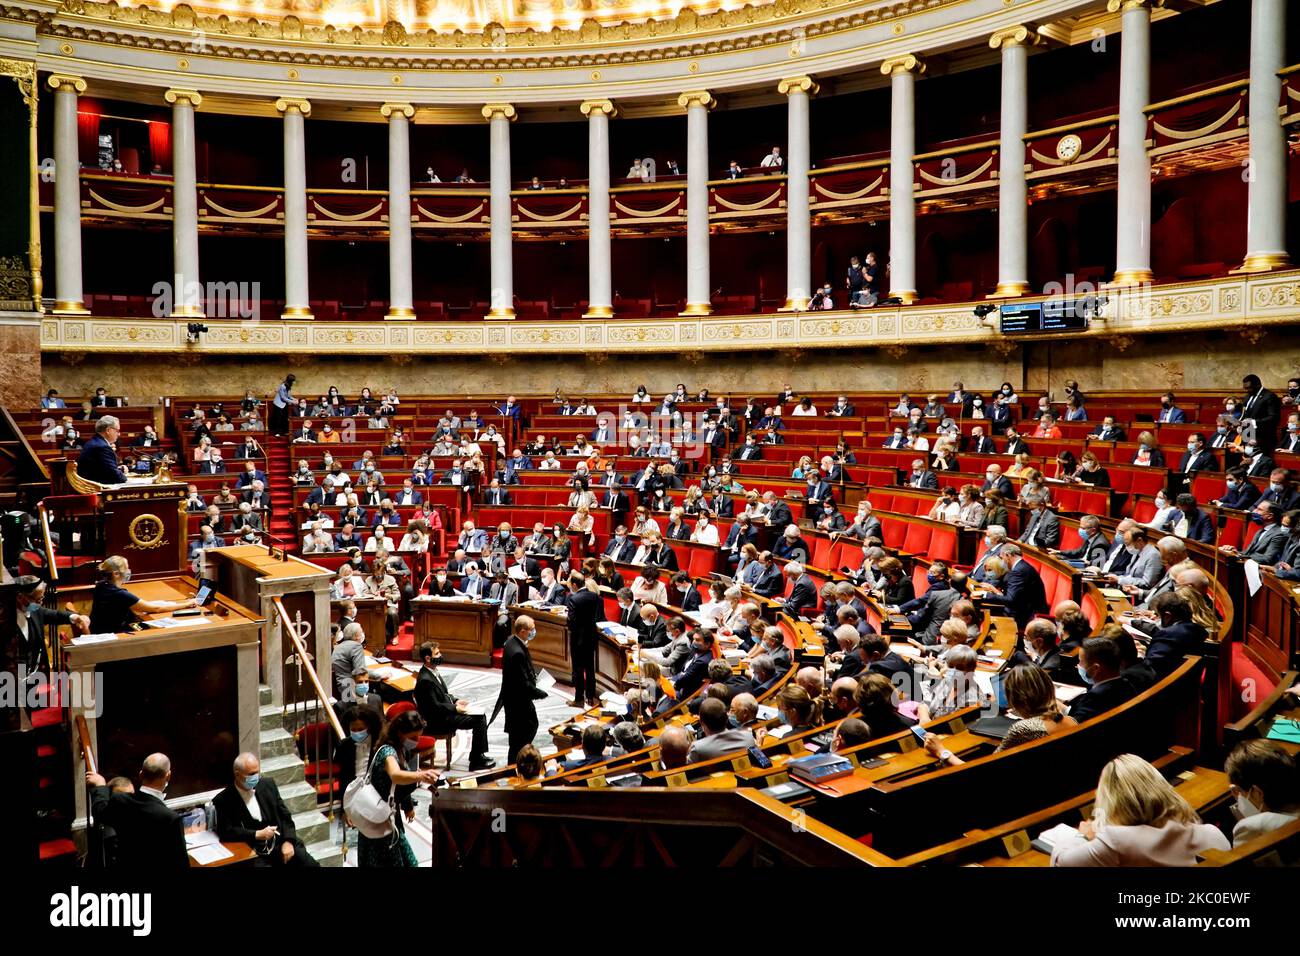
(1196, 458)
(803, 595)
(1043, 529)
(1280, 493)
(519, 687)
(778, 512)
(740, 534)
(585, 610)
(621, 548)
(1257, 461)
(1263, 410)
(842, 408)
(252, 811)
(752, 451)
(1015, 444)
(683, 593)
(249, 475)
(980, 443)
(1023, 594)
(696, 670)
(1177, 637)
(1108, 430)
(1100, 668)
(1265, 546)
(629, 609)
(496, 495)
(921, 477)
(98, 458)
(444, 713)
(1093, 547)
(1190, 521)
(996, 481)
(616, 503)
(1170, 414)
(768, 582)
(149, 834)
(1239, 492)
(654, 632)
(816, 493)
(720, 505)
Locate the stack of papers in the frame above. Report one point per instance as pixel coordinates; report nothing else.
(614, 629)
(1061, 833)
(177, 621)
(94, 638)
(205, 848)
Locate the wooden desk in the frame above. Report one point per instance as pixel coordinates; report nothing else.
(255, 579)
(189, 691)
(463, 629)
(243, 853)
(550, 649)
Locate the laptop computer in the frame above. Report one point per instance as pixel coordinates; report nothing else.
(996, 726)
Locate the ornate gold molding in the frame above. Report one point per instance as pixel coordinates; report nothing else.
(798, 84)
(1123, 6)
(1018, 35)
(405, 109)
(697, 98)
(492, 110)
(61, 81)
(286, 103)
(908, 63)
(607, 107)
(193, 97)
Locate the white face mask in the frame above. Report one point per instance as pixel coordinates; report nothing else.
(1245, 807)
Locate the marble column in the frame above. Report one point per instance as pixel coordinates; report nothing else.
(798, 229)
(297, 300)
(1013, 213)
(1266, 212)
(698, 294)
(499, 117)
(902, 72)
(600, 280)
(67, 196)
(1133, 195)
(400, 302)
(187, 296)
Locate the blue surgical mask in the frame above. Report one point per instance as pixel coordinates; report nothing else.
(359, 736)
(411, 745)
(363, 690)
(1257, 518)
(1083, 673)
(1084, 534)
(781, 716)
(252, 780)
(1191, 446)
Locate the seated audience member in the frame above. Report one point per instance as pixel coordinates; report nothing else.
(849, 733)
(1031, 696)
(594, 739)
(252, 811)
(956, 688)
(1266, 783)
(719, 737)
(1138, 819)
(1239, 492)
(876, 698)
(1178, 635)
(797, 708)
(149, 835)
(1100, 667)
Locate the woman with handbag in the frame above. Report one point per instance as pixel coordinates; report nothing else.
(382, 842)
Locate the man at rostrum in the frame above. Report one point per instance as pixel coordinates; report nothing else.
(585, 610)
(444, 713)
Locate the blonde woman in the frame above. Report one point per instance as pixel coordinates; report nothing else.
(803, 469)
(1022, 464)
(1138, 820)
(1031, 696)
(754, 506)
(113, 608)
(693, 503)
(581, 524)
(204, 450)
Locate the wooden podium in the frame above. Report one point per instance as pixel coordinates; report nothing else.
(463, 629)
(189, 691)
(372, 615)
(550, 650)
(254, 578)
(144, 520)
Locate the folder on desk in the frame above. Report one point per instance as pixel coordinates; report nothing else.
(1286, 729)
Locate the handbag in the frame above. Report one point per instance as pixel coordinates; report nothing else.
(369, 812)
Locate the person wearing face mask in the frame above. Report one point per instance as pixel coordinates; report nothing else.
(922, 477)
(898, 439)
(1258, 463)
(1280, 492)
(1100, 668)
(1093, 546)
(695, 672)
(519, 689)
(1239, 493)
(444, 713)
(1266, 784)
(1197, 458)
(252, 811)
(113, 608)
(1266, 544)
(1091, 472)
(394, 772)
(352, 754)
(150, 836)
(198, 548)
(33, 620)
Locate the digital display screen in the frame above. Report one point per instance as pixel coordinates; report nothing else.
(1058, 316)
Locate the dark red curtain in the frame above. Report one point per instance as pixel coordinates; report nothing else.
(160, 146)
(88, 132)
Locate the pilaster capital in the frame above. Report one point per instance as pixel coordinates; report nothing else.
(492, 110)
(389, 109)
(907, 63)
(287, 103)
(697, 98)
(191, 97)
(798, 84)
(591, 107)
(64, 81)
